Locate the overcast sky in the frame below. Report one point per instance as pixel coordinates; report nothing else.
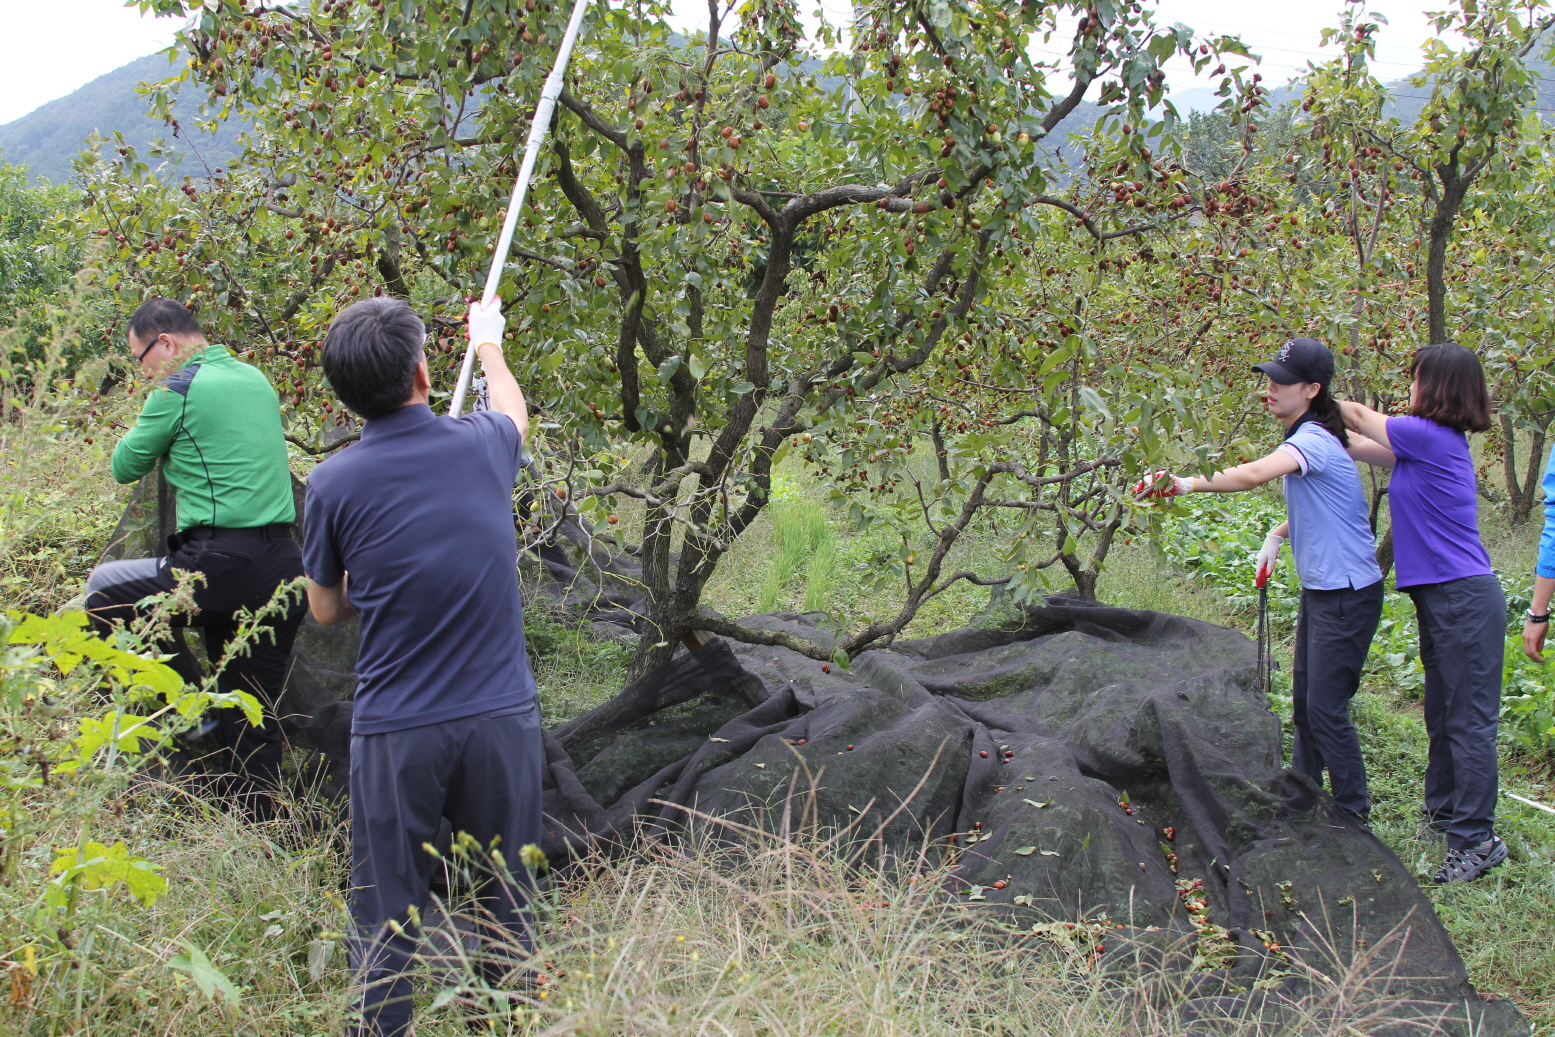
(59, 45)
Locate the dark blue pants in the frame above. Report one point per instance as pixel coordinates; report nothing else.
(483, 774)
(1462, 644)
(1333, 634)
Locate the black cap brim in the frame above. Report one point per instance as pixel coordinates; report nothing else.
(1278, 373)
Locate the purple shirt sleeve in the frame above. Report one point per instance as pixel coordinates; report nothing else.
(320, 560)
(1407, 438)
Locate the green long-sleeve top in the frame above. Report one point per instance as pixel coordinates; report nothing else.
(217, 425)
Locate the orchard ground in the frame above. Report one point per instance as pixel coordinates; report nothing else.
(677, 942)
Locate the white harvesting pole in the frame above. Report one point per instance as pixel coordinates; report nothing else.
(1530, 802)
(537, 131)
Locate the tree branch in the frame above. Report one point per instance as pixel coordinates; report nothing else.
(713, 624)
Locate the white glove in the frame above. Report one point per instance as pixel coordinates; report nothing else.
(487, 323)
(1268, 555)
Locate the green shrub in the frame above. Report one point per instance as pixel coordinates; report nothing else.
(1527, 701)
(1216, 538)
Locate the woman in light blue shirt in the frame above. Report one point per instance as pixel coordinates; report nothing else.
(1332, 540)
(1538, 623)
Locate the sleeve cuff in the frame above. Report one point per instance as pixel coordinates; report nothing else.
(1545, 570)
(1301, 461)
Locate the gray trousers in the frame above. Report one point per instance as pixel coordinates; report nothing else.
(1333, 634)
(483, 774)
(1462, 644)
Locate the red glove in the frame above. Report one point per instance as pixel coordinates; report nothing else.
(1164, 484)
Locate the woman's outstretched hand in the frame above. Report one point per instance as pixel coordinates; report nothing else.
(1164, 484)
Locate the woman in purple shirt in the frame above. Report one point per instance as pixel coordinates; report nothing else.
(1461, 609)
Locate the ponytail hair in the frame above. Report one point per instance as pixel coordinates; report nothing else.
(1325, 411)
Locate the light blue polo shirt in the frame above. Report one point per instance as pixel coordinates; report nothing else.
(1329, 532)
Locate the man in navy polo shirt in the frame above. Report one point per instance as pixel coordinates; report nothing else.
(412, 529)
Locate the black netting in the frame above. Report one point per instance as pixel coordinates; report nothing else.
(1022, 739)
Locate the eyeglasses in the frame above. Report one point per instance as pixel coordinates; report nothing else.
(143, 352)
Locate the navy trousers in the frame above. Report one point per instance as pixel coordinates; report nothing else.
(483, 774)
(1333, 634)
(1462, 644)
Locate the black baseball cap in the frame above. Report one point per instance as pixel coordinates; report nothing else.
(1300, 360)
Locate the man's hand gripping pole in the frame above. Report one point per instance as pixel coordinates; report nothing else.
(537, 131)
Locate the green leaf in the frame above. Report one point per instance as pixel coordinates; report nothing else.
(100, 867)
(210, 980)
(668, 368)
(1053, 359)
(1092, 399)
(696, 364)
(1026, 851)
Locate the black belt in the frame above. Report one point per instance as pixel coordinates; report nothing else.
(270, 532)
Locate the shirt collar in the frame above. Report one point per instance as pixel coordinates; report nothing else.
(207, 354)
(407, 417)
(1308, 416)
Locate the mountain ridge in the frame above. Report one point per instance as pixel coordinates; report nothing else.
(48, 138)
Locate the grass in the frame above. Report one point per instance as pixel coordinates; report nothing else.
(261, 902)
(818, 935)
(573, 671)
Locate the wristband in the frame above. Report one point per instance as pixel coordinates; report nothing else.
(1537, 619)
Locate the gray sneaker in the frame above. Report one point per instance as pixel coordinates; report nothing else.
(1468, 865)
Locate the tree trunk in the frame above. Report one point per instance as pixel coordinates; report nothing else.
(1084, 581)
(1522, 491)
(1454, 187)
(941, 457)
(389, 267)
(1385, 553)
(661, 631)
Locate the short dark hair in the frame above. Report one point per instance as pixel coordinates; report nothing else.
(159, 316)
(1452, 387)
(370, 355)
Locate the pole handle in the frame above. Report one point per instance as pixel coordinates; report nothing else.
(537, 133)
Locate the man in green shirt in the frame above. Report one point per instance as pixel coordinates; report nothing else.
(215, 424)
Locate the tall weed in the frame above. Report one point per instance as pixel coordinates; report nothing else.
(805, 546)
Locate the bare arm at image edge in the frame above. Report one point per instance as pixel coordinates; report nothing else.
(1364, 448)
(1544, 572)
(502, 391)
(329, 605)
